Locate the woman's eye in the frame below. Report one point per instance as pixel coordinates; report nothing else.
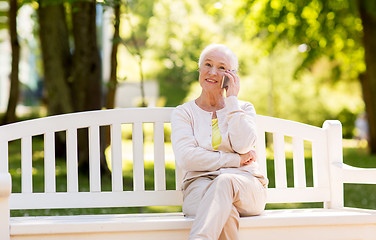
(208, 65)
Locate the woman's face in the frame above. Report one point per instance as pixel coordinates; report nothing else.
(212, 69)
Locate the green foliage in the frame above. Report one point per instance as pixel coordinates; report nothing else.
(327, 35)
(330, 28)
(135, 22)
(4, 7)
(177, 35)
(347, 119)
(268, 82)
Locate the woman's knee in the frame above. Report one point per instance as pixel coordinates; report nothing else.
(254, 201)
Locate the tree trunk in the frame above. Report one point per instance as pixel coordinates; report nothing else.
(57, 60)
(368, 80)
(10, 115)
(86, 77)
(112, 84)
(87, 89)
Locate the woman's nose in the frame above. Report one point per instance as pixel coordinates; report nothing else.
(213, 71)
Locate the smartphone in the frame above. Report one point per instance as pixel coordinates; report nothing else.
(225, 80)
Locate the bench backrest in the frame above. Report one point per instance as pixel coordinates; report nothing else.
(281, 192)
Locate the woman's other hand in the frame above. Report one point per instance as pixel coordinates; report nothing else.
(247, 158)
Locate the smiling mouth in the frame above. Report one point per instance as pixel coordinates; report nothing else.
(211, 81)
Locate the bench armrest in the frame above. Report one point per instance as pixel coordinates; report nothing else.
(350, 174)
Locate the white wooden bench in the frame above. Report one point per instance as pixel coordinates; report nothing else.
(333, 221)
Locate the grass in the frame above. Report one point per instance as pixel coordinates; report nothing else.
(356, 195)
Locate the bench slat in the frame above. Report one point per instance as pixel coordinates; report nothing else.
(138, 157)
(298, 195)
(26, 165)
(289, 128)
(260, 150)
(116, 158)
(298, 162)
(94, 159)
(4, 156)
(82, 120)
(49, 163)
(72, 161)
(95, 199)
(146, 198)
(320, 163)
(279, 160)
(159, 157)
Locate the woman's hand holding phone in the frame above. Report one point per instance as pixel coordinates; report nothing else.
(225, 81)
(232, 84)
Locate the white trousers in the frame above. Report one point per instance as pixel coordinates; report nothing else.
(217, 202)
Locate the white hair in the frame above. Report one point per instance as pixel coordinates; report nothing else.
(234, 64)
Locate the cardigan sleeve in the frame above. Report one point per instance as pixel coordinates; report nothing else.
(241, 125)
(189, 155)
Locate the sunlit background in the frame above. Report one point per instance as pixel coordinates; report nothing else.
(299, 60)
(171, 34)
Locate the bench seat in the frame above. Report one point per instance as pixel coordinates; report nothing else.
(176, 226)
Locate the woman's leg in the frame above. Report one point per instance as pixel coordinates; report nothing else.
(251, 198)
(193, 194)
(231, 228)
(215, 214)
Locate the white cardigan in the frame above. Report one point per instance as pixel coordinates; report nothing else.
(191, 137)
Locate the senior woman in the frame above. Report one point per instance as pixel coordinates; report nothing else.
(213, 138)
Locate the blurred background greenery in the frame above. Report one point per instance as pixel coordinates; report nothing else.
(301, 60)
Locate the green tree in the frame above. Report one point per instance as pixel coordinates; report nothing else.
(342, 30)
